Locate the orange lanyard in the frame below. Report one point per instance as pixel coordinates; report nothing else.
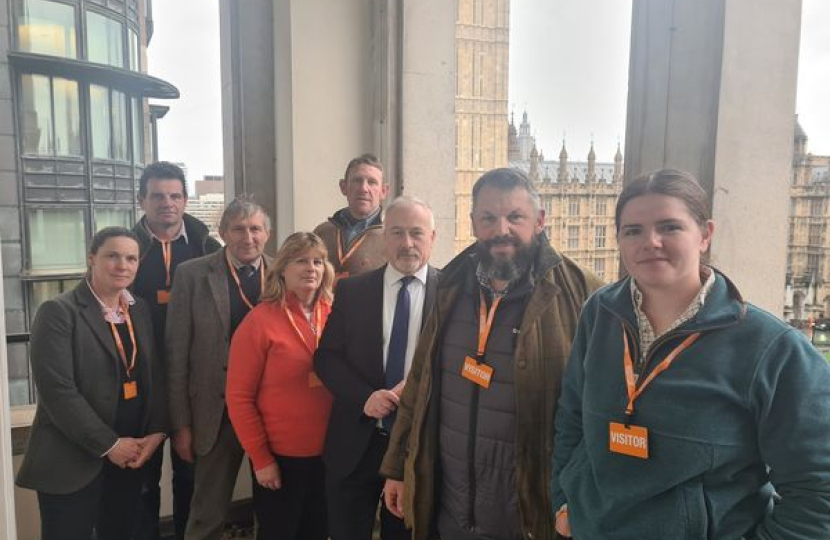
(120, 344)
(485, 322)
(239, 285)
(631, 385)
(315, 325)
(341, 259)
(167, 257)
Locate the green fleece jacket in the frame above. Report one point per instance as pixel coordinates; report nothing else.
(741, 418)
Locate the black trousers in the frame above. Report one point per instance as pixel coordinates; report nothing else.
(147, 514)
(353, 500)
(297, 511)
(107, 505)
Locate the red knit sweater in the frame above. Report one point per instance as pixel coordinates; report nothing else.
(275, 402)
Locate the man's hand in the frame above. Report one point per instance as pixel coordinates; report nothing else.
(398, 390)
(126, 450)
(269, 476)
(393, 497)
(148, 448)
(380, 404)
(183, 443)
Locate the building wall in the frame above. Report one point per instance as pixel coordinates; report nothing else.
(580, 223)
(482, 48)
(71, 150)
(807, 293)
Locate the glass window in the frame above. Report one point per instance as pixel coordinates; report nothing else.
(138, 130)
(100, 121)
(599, 236)
(573, 236)
(599, 268)
(50, 116)
(67, 117)
(57, 239)
(45, 290)
(113, 217)
(573, 206)
(104, 40)
(47, 28)
(120, 140)
(36, 115)
(132, 41)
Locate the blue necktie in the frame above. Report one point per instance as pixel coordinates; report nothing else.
(396, 354)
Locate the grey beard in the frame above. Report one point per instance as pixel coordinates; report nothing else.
(507, 269)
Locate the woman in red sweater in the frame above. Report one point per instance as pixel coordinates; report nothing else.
(276, 403)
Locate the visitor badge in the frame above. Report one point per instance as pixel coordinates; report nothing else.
(162, 297)
(629, 440)
(481, 374)
(130, 390)
(313, 380)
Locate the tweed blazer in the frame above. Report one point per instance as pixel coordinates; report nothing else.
(76, 370)
(197, 341)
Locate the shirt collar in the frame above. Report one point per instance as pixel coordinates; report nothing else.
(391, 275)
(237, 264)
(116, 315)
(181, 234)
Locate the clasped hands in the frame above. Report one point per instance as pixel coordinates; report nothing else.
(130, 452)
(382, 403)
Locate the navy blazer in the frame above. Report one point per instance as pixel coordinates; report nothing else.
(349, 361)
(76, 371)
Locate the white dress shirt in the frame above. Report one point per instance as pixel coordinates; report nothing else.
(417, 292)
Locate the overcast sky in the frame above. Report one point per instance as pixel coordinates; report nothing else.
(568, 68)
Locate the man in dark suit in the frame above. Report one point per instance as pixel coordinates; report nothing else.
(363, 358)
(210, 297)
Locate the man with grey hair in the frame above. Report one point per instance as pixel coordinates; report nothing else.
(209, 298)
(363, 358)
(489, 364)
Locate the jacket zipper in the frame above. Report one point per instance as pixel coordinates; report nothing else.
(659, 342)
(471, 455)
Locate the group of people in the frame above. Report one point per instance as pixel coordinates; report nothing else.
(508, 396)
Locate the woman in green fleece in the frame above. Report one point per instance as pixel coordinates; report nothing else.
(687, 413)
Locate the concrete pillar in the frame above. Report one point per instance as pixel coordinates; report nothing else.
(428, 114)
(246, 30)
(712, 88)
(8, 528)
(344, 77)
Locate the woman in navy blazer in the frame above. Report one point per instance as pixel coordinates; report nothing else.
(101, 411)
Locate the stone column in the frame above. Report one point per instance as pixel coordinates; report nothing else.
(428, 114)
(309, 85)
(7, 511)
(246, 31)
(712, 88)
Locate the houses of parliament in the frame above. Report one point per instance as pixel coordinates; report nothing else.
(579, 194)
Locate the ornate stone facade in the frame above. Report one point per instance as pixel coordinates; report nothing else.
(578, 198)
(808, 249)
